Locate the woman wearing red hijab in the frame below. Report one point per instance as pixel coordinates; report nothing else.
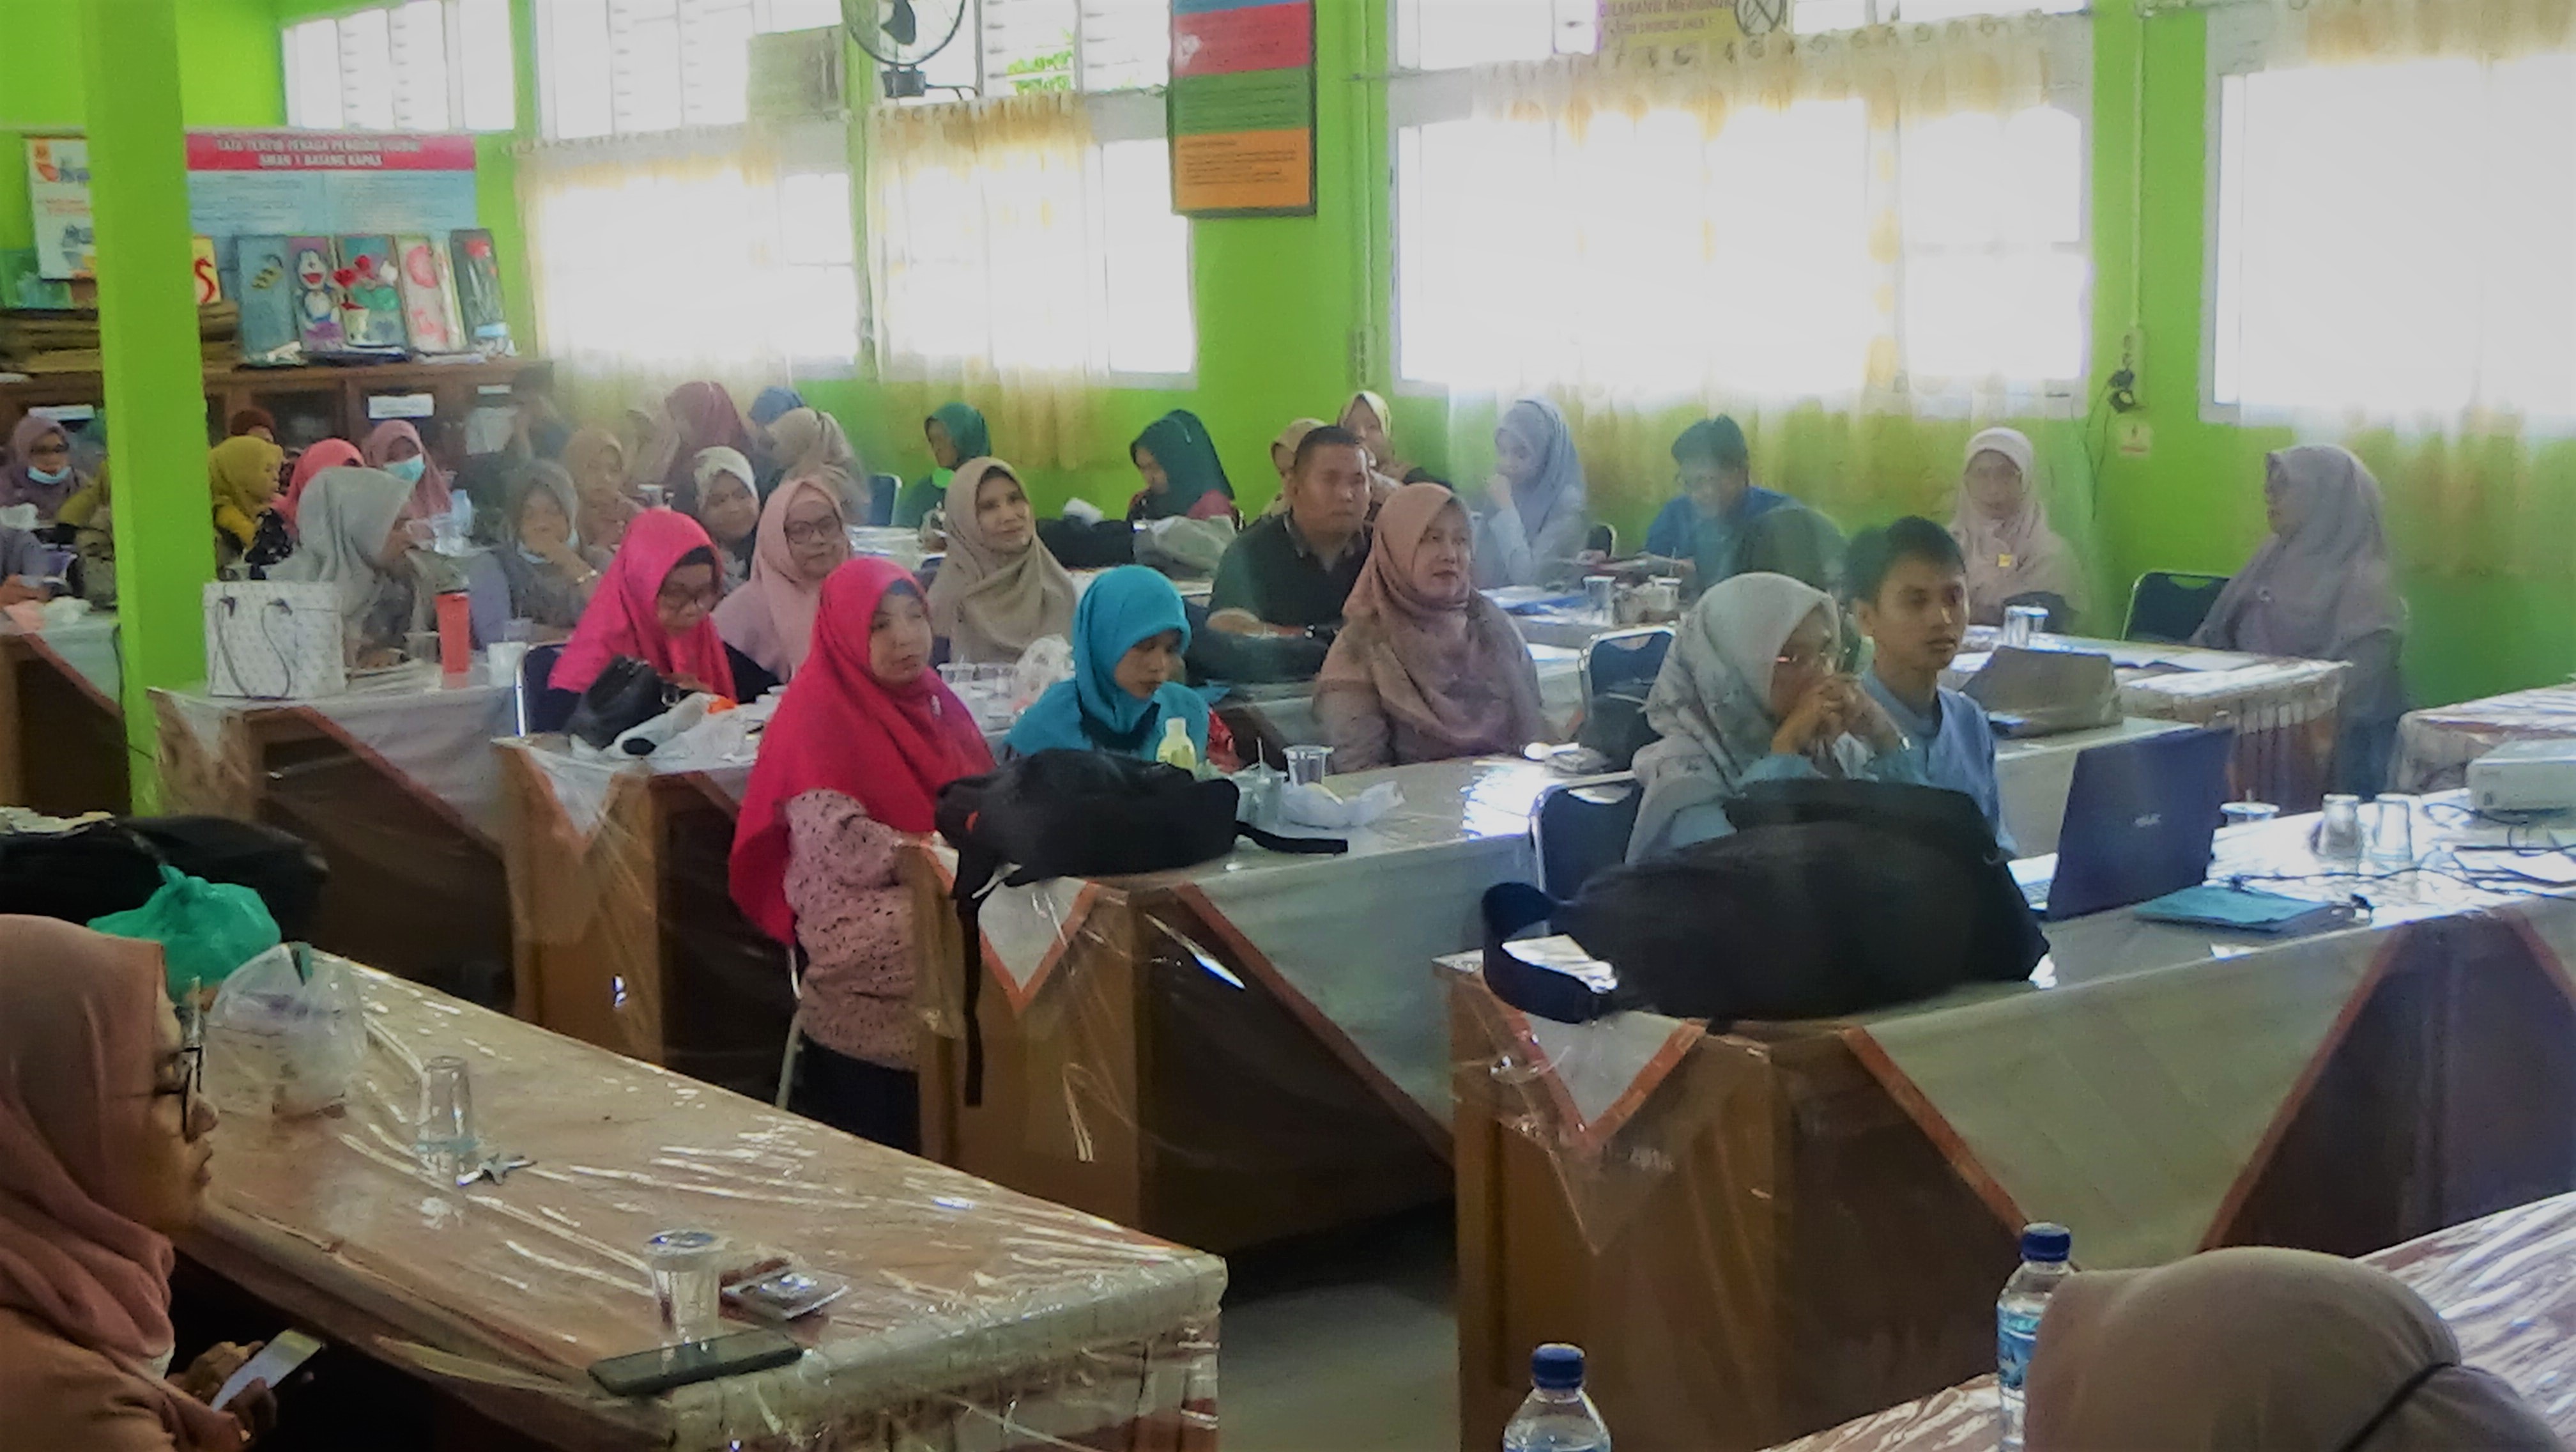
(849, 768)
(704, 417)
(658, 606)
(328, 454)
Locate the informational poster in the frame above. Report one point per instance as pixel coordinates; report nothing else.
(1242, 108)
(1665, 25)
(58, 194)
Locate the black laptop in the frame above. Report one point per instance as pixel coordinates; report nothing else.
(2140, 818)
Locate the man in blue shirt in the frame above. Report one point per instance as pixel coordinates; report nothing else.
(1909, 590)
(1706, 523)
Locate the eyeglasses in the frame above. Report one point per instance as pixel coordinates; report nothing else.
(192, 1067)
(679, 597)
(812, 531)
(1803, 660)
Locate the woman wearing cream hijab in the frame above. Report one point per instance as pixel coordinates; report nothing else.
(999, 589)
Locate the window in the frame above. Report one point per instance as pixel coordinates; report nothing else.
(611, 67)
(1435, 35)
(2331, 295)
(429, 65)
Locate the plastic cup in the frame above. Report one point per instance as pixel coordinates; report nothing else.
(2024, 623)
(2247, 814)
(1600, 596)
(502, 660)
(687, 1267)
(2339, 829)
(2392, 831)
(1308, 765)
(446, 1140)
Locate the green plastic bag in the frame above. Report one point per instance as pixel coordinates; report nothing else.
(205, 929)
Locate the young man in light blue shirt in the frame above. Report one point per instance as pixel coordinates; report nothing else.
(1909, 590)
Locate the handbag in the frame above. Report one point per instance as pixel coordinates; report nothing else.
(269, 640)
(624, 695)
(1081, 814)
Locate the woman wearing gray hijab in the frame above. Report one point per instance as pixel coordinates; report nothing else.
(2259, 1350)
(2321, 588)
(355, 538)
(539, 570)
(1531, 523)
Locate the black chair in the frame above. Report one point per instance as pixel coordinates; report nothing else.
(1580, 828)
(544, 719)
(2166, 607)
(1625, 661)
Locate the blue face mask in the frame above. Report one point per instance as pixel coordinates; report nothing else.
(407, 470)
(50, 476)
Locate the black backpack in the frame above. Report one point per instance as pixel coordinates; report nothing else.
(1830, 898)
(1080, 814)
(114, 866)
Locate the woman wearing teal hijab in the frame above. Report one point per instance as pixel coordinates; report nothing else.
(956, 433)
(1183, 476)
(1128, 635)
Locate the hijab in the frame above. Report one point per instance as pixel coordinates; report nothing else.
(621, 619)
(1557, 488)
(2018, 554)
(737, 558)
(809, 443)
(76, 1036)
(1712, 704)
(328, 454)
(1376, 405)
(771, 618)
(550, 478)
(966, 429)
(2325, 586)
(1455, 672)
(2260, 1350)
(240, 472)
(1180, 443)
(889, 748)
(429, 497)
(1092, 712)
(992, 606)
(347, 516)
(705, 418)
(584, 449)
(18, 483)
(773, 401)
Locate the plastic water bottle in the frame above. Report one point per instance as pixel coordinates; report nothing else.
(2025, 1299)
(1558, 1417)
(1177, 749)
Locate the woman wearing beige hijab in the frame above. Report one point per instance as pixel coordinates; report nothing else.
(812, 445)
(2257, 1350)
(1283, 457)
(999, 589)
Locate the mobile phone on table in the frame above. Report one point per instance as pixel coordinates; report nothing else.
(275, 1362)
(644, 1373)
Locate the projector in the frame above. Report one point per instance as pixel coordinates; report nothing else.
(2525, 776)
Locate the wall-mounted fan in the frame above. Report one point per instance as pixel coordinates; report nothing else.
(902, 35)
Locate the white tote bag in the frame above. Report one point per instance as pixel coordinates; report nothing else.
(272, 641)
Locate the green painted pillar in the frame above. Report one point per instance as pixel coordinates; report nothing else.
(156, 401)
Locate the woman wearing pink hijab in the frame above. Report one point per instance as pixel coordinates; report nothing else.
(395, 447)
(104, 1155)
(2013, 557)
(802, 539)
(328, 454)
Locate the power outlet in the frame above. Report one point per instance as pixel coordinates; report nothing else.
(2122, 388)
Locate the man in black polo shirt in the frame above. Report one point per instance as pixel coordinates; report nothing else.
(1289, 573)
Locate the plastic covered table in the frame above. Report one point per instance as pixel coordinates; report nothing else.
(978, 1319)
(1764, 1230)
(1243, 1050)
(1283, 715)
(2435, 746)
(62, 717)
(394, 782)
(2505, 1283)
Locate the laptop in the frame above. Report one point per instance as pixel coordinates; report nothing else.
(2140, 818)
(2030, 693)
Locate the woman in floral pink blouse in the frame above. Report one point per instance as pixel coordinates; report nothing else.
(850, 766)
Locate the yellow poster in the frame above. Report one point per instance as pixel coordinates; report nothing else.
(1668, 24)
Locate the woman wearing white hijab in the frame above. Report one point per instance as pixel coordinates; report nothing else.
(2002, 528)
(2321, 588)
(1533, 524)
(1750, 692)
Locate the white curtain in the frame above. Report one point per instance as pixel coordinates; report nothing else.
(680, 255)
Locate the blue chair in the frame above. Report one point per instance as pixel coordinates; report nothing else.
(534, 673)
(1625, 661)
(1580, 828)
(2166, 607)
(882, 490)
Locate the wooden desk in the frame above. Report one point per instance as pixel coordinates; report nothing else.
(62, 726)
(977, 1318)
(395, 784)
(625, 931)
(1232, 1053)
(2520, 1334)
(1762, 1232)
(2435, 746)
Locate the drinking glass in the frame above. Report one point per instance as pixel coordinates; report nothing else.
(2247, 814)
(446, 1140)
(687, 1268)
(2339, 830)
(1601, 596)
(1308, 765)
(2023, 623)
(2392, 831)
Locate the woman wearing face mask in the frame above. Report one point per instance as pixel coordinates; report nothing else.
(1751, 692)
(242, 476)
(1533, 523)
(395, 447)
(657, 605)
(803, 539)
(850, 767)
(1128, 679)
(730, 509)
(358, 536)
(1426, 668)
(38, 470)
(597, 463)
(539, 571)
(999, 590)
(106, 1149)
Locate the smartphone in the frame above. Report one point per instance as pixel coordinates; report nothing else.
(275, 1362)
(646, 1372)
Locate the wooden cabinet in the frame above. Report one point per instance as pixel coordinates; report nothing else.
(310, 403)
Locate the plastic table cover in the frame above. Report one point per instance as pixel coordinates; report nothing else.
(978, 1318)
(903, 546)
(62, 724)
(1285, 713)
(86, 650)
(2435, 746)
(2505, 1283)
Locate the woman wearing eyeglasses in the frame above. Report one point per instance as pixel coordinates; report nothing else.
(1754, 690)
(803, 538)
(106, 1151)
(658, 606)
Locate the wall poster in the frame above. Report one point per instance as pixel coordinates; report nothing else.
(1242, 108)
